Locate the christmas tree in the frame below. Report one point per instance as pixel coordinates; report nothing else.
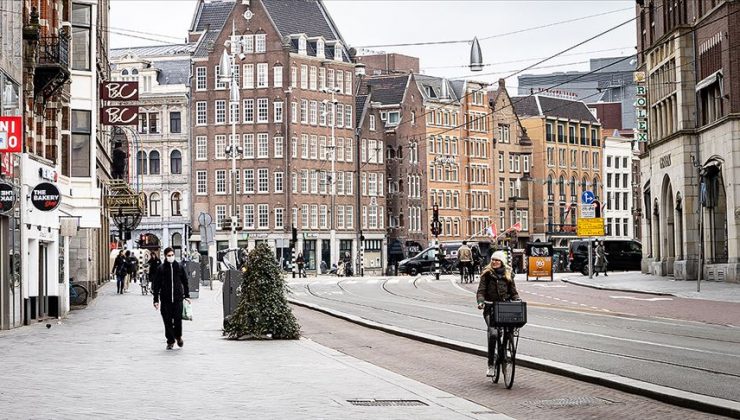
(262, 311)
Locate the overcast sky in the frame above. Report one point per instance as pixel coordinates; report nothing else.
(381, 22)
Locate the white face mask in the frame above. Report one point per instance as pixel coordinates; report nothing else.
(171, 259)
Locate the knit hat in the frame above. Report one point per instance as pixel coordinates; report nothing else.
(501, 256)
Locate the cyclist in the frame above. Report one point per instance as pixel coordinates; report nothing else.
(465, 260)
(496, 285)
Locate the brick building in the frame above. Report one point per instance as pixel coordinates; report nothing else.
(289, 56)
(688, 53)
(567, 159)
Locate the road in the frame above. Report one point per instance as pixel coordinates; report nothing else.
(686, 344)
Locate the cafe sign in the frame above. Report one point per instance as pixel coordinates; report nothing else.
(119, 91)
(45, 196)
(7, 197)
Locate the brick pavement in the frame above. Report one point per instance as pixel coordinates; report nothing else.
(109, 361)
(535, 395)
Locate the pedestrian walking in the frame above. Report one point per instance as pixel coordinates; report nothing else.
(170, 288)
(154, 263)
(465, 261)
(300, 262)
(601, 261)
(496, 285)
(120, 270)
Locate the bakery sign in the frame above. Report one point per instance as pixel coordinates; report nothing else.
(45, 196)
(7, 197)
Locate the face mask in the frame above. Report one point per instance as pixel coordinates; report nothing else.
(171, 259)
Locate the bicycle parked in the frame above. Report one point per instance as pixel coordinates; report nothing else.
(504, 320)
(77, 293)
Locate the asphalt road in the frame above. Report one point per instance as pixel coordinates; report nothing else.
(584, 327)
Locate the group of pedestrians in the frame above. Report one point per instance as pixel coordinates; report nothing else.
(125, 267)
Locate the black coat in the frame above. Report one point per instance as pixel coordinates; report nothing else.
(170, 283)
(496, 287)
(154, 264)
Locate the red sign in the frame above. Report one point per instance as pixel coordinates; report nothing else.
(119, 115)
(119, 91)
(11, 134)
(7, 164)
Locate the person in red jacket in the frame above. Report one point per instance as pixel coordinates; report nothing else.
(170, 288)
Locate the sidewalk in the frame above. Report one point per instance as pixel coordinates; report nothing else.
(633, 281)
(109, 361)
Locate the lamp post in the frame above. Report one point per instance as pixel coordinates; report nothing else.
(227, 75)
(332, 179)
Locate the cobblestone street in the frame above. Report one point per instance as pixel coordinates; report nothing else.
(109, 361)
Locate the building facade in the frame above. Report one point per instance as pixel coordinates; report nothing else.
(567, 160)
(618, 206)
(160, 160)
(689, 186)
(294, 122)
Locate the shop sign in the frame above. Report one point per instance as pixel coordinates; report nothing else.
(45, 196)
(11, 134)
(7, 197)
(119, 115)
(641, 106)
(591, 227)
(119, 91)
(539, 266)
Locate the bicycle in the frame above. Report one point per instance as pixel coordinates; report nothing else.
(144, 282)
(77, 294)
(504, 343)
(468, 276)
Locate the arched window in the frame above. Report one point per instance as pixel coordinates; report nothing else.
(176, 162)
(584, 184)
(124, 74)
(561, 186)
(573, 191)
(176, 242)
(154, 205)
(154, 162)
(549, 185)
(176, 204)
(134, 72)
(400, 152)
(595, 186)
(141, 163)
(146, 204)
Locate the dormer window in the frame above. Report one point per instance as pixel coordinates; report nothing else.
(338, 51)
(302, 45)
(320, 50)
(430, 92)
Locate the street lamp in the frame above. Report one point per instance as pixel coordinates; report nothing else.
(332, 179)
(227, 75)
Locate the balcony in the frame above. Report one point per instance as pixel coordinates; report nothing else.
(52, 65)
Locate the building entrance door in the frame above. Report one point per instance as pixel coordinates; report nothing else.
(43, 308)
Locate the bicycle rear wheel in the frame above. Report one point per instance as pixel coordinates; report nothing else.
(77, 295)
(493, 345)
(508, 360)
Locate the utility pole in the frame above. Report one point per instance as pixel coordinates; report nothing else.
(436, 230)
(334, 251)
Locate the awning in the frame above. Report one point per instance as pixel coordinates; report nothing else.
(709, 80)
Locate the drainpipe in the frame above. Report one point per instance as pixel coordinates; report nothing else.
(700, 180)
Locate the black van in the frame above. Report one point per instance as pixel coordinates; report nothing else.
(622, 255)
(424, 261)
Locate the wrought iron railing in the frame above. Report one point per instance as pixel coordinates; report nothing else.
(54, 50)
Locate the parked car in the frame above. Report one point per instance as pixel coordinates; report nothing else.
(424, 261)
(622, 255)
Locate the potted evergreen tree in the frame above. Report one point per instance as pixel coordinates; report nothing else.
(262, 311)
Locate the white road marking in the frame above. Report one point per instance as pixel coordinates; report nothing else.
(394, 281)
(372, 281)
(642, 299)
(549, 285)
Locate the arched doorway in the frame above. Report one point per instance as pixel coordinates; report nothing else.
(679, 227)
(668, 244)
(715, 202)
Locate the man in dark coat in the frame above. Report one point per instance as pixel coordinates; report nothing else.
(170, 288)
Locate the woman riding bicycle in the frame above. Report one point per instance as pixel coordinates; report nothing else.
(496, 285)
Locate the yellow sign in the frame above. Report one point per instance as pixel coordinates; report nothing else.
(591, 227)
(539, 266)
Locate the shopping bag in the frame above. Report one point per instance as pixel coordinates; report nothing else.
(187, 311)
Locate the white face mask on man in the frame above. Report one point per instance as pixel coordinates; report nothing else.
(170, 259)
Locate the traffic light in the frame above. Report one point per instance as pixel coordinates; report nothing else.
(188, 231)
(435, 213)
(597, 208)
(294, 235)
(362, 237)
(226, 224)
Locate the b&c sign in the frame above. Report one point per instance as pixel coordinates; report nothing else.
(45, 196)
(119, 91)
(7, 197)
(119, 115)
(11, 134)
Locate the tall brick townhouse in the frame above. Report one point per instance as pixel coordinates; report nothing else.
(290, 57)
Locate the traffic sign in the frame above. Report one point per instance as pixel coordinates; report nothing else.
(591, 227)
(587, 197)
(588, 211)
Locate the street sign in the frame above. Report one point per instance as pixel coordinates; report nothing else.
(591, 227)
(588, 211)
(587, 197)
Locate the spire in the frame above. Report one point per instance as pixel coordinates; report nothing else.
(476, 56)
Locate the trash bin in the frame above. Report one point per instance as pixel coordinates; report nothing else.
(205, 273)
(192, 270)
(232, 281)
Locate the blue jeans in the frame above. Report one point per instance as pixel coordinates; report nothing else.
(119, 282)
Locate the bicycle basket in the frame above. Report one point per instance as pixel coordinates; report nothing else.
(509, 314)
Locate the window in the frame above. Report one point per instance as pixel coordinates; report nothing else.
(248, 146)
(249, 180)
(263, 146)
(248, 76)
(220, 112)
(548, 132)
(176, 204)
(154, 205)
(304, 76)
(278, 145)
(348, 83)
(154, 162)
(248, 44)
(176, 162)
(525, 163)
(348, 116)
(262, 81)
(233, 112)
(279, 218)
(249, 216)
(81, 144)
(262, 110)
(201, 148)
(81, 37)
(314, 147)
(175, 122)
(260, 43)
(220, 181)
(263, 216)
(201, 180)
(315, 216)
(348, 220)
(340, 81)
(219, 83)
(313, 120)
(393, 118)
(278, 181)
(277, 76)
(330, 79)
(263, 182)
(220, 147)
(503, 133)
(304, 111)
(294, 77)
(201, 116)
(141, 163)
(201, 78)
(372, 123)
(312, 78)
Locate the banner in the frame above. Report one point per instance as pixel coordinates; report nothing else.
(119, 91)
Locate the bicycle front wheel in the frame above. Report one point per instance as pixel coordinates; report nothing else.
(508, 360)
(493, 345)
(77, 295)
